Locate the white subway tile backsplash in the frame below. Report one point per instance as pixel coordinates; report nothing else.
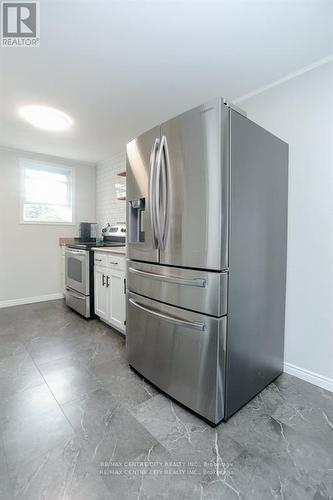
(108, 207)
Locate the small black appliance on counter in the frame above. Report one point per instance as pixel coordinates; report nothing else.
(88, 231)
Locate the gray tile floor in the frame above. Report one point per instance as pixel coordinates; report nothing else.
(78, 424)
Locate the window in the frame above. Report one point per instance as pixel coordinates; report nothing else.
(47, 193)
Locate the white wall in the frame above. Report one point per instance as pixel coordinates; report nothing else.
(300, 111)
(30, 260)
(108, 208)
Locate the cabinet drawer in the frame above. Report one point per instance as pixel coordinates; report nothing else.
(116, 262)
(100, 259)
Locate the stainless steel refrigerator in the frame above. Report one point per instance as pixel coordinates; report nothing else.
(207, 199)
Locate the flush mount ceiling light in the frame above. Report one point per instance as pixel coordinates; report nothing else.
(46, 118)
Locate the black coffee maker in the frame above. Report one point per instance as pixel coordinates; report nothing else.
(88, 231)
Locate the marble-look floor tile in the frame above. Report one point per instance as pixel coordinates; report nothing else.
(91, 415)
(18, 373)
(101, 345)
(187, 438)
(152, 475)
(325, 489)
(250, 441)
(69, 437)
(34, 435)
(31, 403)
(62, 473)
(68, 379)
(124, 438)
(283, 454)
(305, 408)
(17, 313)
(20, 322)
(6, 489)
(90, 344)
(10, 346)
(123, 383)
(104, 346)
(46, 349)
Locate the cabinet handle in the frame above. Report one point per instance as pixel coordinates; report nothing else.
(107, 281)
(103, 279)
(112, 262)
(98, 260)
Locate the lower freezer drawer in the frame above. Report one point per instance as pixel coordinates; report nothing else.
(181, 352)
(80, 303)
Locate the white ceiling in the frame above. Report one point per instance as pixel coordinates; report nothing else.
(120, 67)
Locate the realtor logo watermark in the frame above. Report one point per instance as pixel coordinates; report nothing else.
(20, 24)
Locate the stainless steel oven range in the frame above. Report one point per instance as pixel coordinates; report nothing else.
(79, 274)
(79, 280)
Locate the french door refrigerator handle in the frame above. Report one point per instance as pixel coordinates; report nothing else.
(158, 188)
(165, 189)
(181, 322)
(152, 191)
(198, 282)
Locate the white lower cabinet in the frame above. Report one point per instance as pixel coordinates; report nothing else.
(117, 300)
(101, 293)
(110, 290)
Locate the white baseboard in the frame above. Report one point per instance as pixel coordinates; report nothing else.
(308, 376)
(30, 300)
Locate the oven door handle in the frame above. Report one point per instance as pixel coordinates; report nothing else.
(76, 252)
(171, 319)
(75, 295)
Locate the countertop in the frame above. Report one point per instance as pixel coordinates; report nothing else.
(66, 241)
(119, 250)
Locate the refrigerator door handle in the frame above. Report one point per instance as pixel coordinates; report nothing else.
(152, 191)
(195, 325)
(162, 192)
(157, 194)
(197, 282)
(165, 189)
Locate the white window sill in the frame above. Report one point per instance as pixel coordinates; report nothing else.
(47, 223)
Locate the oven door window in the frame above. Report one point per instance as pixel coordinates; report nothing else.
(74, 270)
(77, 270)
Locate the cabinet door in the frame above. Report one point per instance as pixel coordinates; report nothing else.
(101, 292)
(117, 299)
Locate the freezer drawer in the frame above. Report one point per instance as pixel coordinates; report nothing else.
(201, 291)
(181, 352)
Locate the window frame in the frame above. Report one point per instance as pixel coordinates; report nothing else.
(39, 164)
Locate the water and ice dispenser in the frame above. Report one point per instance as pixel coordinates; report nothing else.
(135, 233)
